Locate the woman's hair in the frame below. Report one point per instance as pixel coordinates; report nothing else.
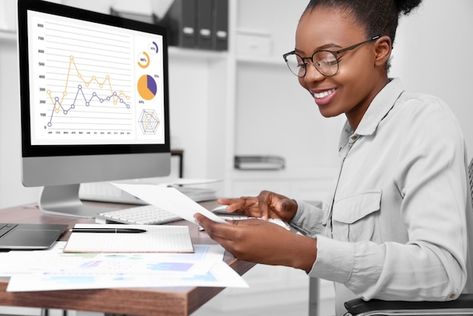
(380, 17)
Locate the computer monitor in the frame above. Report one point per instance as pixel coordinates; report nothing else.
(94, 101)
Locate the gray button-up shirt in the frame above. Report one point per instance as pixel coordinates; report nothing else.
(396, 226)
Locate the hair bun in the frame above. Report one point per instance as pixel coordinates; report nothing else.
(406, 6)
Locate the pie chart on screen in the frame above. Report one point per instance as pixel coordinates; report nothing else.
(147, 87)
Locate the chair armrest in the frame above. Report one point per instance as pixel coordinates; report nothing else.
(380, 307)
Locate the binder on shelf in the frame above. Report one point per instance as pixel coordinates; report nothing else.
(204, 23)
(259, 162)
(220, 25)
(180, 21)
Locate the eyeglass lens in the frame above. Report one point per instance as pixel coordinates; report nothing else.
(324, 61)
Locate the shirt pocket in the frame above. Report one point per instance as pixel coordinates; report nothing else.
(355, 218)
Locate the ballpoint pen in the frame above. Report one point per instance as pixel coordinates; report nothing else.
(108, 230)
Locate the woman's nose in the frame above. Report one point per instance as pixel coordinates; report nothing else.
(312, 73)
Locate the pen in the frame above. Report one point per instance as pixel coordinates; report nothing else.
(108, 230)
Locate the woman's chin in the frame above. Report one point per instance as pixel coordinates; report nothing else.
(328, 112)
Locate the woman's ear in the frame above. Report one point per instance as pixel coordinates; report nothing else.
(383, 48)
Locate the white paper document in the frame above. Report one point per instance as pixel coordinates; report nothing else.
(56, 270)
(169, 199)
(157, 238)
(219, 275)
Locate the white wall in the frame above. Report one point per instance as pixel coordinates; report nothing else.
(433, 54)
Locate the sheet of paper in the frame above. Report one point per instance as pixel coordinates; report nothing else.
(54, 260)
(220, 275)
(169, 199)
(276, 221)
(157, 238)
(55, 270)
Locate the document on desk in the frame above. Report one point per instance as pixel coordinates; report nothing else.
(156, 238)
(55, 270)
(169, 199)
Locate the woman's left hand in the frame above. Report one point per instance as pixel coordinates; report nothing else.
(260, 241)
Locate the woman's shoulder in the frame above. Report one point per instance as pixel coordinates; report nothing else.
(422, 103)
(425, 113)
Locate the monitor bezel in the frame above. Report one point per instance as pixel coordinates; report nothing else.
(29, 150)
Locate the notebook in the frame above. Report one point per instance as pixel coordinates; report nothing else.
(157, 238)
(15, 236)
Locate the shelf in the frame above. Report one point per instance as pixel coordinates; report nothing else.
(270, 61)
(287, 173)
(7, 35)
(196, 54)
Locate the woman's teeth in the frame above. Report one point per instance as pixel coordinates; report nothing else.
(323, 94)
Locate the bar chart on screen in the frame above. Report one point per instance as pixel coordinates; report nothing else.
(94, 87)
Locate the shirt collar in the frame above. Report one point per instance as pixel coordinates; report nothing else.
(382, 103)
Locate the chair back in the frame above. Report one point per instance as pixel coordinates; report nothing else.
(469, 222)
(470, 177)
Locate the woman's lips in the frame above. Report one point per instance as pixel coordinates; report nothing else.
(323, 97)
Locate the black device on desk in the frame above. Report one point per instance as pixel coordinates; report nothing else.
(29, 236)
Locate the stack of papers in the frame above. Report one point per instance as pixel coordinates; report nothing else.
(155, 258)
(56, 270)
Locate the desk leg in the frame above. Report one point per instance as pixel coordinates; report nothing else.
(45, 312)
(313, 296)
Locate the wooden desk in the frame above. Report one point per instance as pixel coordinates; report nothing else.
(133, 301)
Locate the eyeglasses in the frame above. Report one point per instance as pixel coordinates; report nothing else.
(325, 61)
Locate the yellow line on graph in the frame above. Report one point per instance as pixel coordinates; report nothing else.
(120, 94)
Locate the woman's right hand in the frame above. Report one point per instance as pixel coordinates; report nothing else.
(266, 205)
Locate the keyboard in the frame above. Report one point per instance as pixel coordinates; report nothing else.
(140, 215)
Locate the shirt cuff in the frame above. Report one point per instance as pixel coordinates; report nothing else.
(301, 206)
(335, 260)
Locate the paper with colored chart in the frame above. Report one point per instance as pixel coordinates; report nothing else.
(56, 270)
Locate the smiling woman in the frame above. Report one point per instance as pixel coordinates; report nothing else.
(395, 226)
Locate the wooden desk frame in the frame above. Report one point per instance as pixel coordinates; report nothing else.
(167, 301)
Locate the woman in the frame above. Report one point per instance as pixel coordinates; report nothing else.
(395, 227)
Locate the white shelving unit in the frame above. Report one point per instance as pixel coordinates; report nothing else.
(267, 112)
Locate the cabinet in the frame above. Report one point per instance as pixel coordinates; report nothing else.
(268, 113)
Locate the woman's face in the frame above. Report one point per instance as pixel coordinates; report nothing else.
(357, 81)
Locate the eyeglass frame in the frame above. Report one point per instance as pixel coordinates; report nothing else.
(335, 53)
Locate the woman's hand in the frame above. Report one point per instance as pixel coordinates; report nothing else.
(260, 241)
(266, 205)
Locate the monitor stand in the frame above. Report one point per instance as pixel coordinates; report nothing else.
(64, 200)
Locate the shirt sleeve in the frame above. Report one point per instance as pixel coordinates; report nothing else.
(432, 180)
(310, 218)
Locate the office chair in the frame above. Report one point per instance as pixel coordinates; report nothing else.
(463, 305)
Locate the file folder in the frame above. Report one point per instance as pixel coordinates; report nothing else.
(220, 23)
(180, 20)
(204, 24)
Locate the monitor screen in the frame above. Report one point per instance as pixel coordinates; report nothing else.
(94, 96)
